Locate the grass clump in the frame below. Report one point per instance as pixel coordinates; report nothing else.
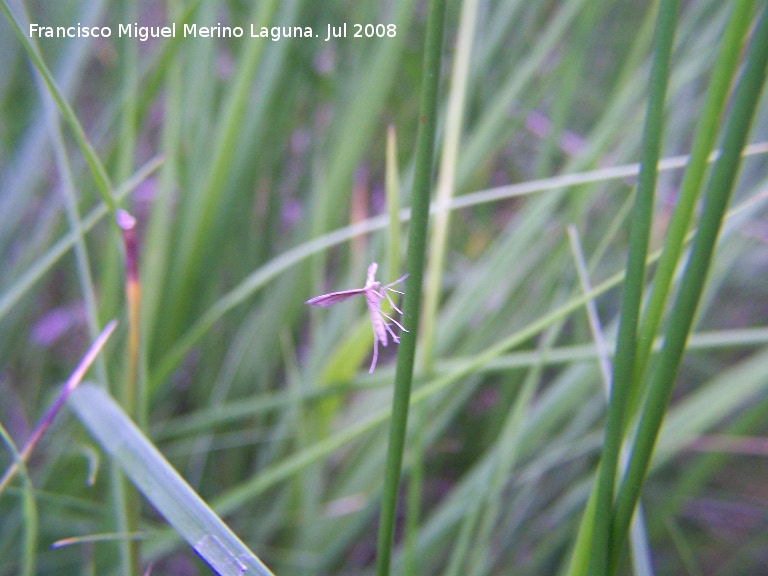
(263, 172)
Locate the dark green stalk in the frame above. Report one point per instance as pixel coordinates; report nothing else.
(745, 102)
(632, 291)
(417, 238)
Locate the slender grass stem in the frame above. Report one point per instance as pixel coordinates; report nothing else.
(417, 238)
(745, 102)
(446, 180)
(100, 176)
(690, 187)
(632, 289)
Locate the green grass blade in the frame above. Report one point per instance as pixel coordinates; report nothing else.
(200, 217)
(446, 180)
(162, 485)
(745, 102)
(263, 405)
(632, 290)
(100, 176)
(690, 187)
(417, 238)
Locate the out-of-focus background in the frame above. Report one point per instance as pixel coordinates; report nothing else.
(258, 173)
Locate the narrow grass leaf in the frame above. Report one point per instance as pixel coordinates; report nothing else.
(417, 238)
(632, 289)
(100, 176)
(745, 102)
(446, 180)
(162, 485)
(704, 139)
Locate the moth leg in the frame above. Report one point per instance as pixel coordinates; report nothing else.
(375, 354)
(395, 337)
(395, 322)
(391, 303)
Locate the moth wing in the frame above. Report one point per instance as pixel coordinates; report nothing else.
(326, 300)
